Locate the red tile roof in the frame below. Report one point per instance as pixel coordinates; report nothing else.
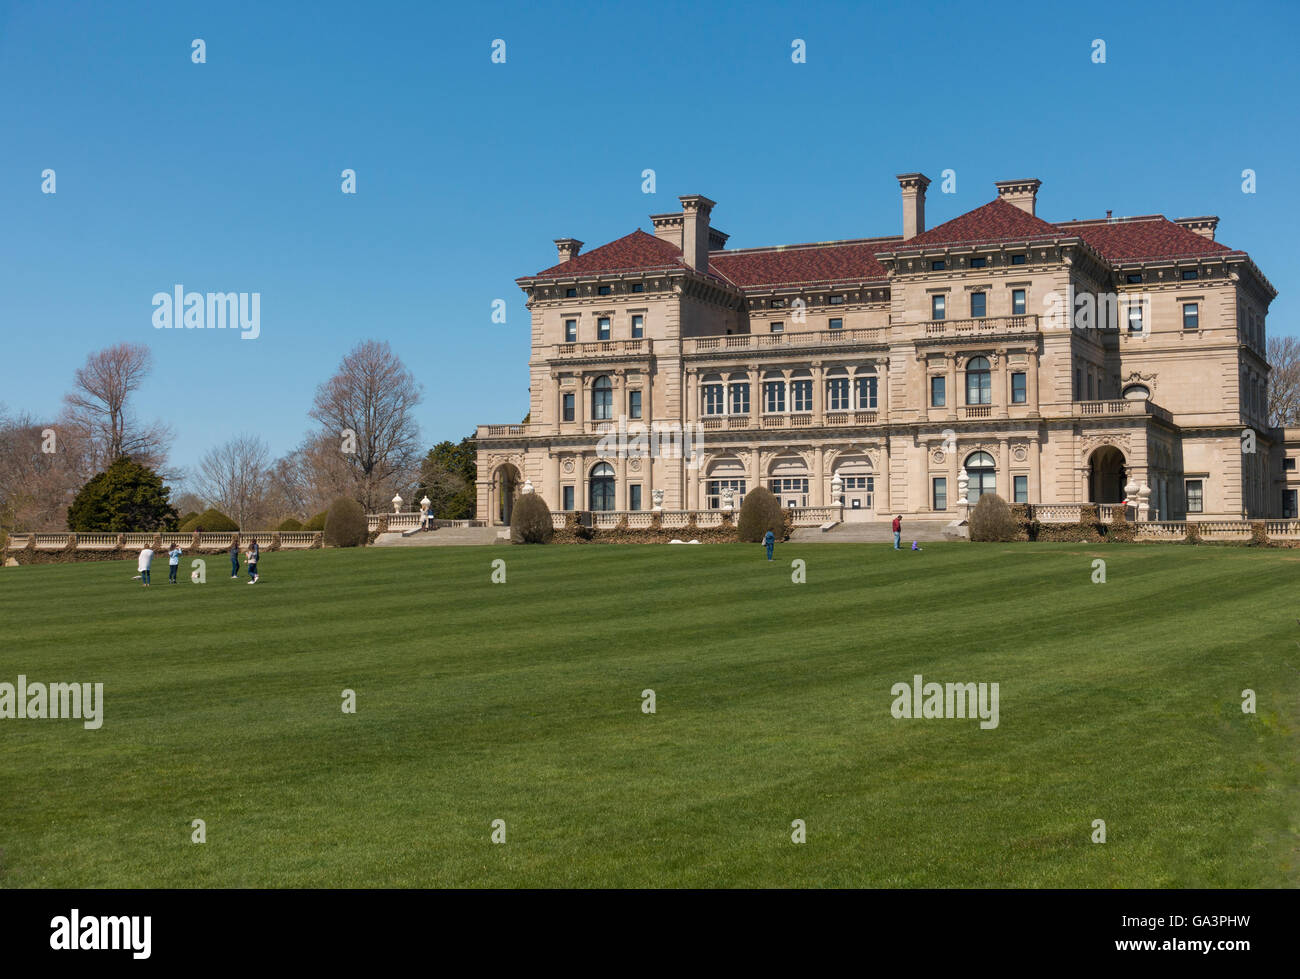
(1149, 237)
(840, 261)
(636, 252)
(995, 221)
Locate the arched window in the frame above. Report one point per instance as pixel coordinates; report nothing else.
(602, 398)
(602, 486)
(979, 382)
(711, 393)
(983, 476)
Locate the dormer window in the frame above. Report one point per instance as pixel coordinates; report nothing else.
(603, 291)
(570, 293)
(776, 303)
(836, 300)
(638, 287)
(1017, 259)
(938, 266)
(1133, 278)
(1189, 274)
(978, 263)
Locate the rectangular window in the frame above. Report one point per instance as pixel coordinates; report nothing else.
(866, 393)
(1135, 319)
(978, 263)
(837, 394)
(1078, 385)
(938, 304)
(1189, 274)
(978, 304)
(777, 327)
(801, 395)
(634, 404)
(638, 287)
(1017, 259)
(1021, 484)
(570, 331)
(602, 328)
(1195, 496)
(638, 326)
(570, 293)
(739, 395)
(1017, 302)
(1133, 278)
(836, 324)
(603, 291)
(713, 492)
(793, 492)
(776, 303)
(1019, 390)
(634, 496)
(938, 391)
(1090, 386)
(1191, 316)
(567, 402)
(938, 266)
(1289, 504)
(836, 300)
(568, 498)
(774, 396)
(940, 494)
(713, 399)
(1288, 465)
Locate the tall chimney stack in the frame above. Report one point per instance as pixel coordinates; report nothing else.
(913, 186)
(1203, 226)
(1020, 193)
(695, 231)
(568, 248)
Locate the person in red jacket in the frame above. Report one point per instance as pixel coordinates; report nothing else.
(898, 530)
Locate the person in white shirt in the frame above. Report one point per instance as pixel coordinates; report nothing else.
(146, 558)
(173, 562)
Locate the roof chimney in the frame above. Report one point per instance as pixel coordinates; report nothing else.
(668, 227)
(568, 248)
(1203, 226)
(913, 186)
(1020, 193)
(695, 231)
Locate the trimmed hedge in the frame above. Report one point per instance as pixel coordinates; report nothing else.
(991, 520)
(530, 521)
(290, 524)
(345, 523)
(317, 522)
(210, 521)
(760, 513)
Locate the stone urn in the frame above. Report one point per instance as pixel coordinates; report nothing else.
(527, 487)
(728, 498)
(397, 503)
(657, 499)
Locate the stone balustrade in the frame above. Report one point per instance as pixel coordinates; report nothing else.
(289, 540)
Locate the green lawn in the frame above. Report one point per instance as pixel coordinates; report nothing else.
(522, 701)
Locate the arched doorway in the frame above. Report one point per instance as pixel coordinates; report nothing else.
(601, 487)
(982, 475)
(505, 487)
(857, 486)
(1107, 475)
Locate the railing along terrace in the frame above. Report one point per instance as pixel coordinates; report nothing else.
(982, 324)
(806, 338)
(639, 346)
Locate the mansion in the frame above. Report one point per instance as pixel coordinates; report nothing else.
(1052, 363)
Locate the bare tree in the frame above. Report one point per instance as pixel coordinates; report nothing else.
(233, 478)
(1284, 382)
(366, 410)
(40, 473)
(99, 409)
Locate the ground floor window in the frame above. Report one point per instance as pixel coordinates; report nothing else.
(982, 475)
(862, 489)
(1195, 496)
(1289, 505)
(1021, 489)
(602, 487)
(634, 497)
(713, 492)
(567, 494)
(940, 492)
(792, 491)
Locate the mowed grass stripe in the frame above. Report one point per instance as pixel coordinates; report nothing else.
(521, 701)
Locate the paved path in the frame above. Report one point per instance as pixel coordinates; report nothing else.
(877, 532)
(442, 537)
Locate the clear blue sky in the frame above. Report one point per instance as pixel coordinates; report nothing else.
(225, 176)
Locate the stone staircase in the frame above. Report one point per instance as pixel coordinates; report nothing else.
(443, 537)
(876, 532)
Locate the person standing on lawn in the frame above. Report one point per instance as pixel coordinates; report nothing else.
(254, 552)
(898, 531)
(234, 560)
(173, 563)
(146, 558)
(769, 542)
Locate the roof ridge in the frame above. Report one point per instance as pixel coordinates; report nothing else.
(758, 249)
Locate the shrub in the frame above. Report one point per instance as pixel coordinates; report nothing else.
(1193, 535)
(345, 523)
(530, 521)
(760, 513)
(991, 520)
(1258, 534)
(209, 521)
(124, 497)
(290, 524)
(315, 523)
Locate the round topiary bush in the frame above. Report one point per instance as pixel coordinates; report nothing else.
(315, 523)
(209, 521)
(290, 524)
(760, 513)
(530, 521)
(345, 523)
(991, 520)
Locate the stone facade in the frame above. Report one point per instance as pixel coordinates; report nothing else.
(997, 346)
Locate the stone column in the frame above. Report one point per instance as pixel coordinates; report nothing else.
(1002, 401)
(553, 496)
(620, 483)
(1006, 485)
(951, 397)
(923, 363)
(882, 491)
(818, 393)
(755, 395)
(819, 481)
(882, 388)
(1035, 471)
(1031, 381)
(755, 470)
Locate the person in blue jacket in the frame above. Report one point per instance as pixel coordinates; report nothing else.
(769, 542)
